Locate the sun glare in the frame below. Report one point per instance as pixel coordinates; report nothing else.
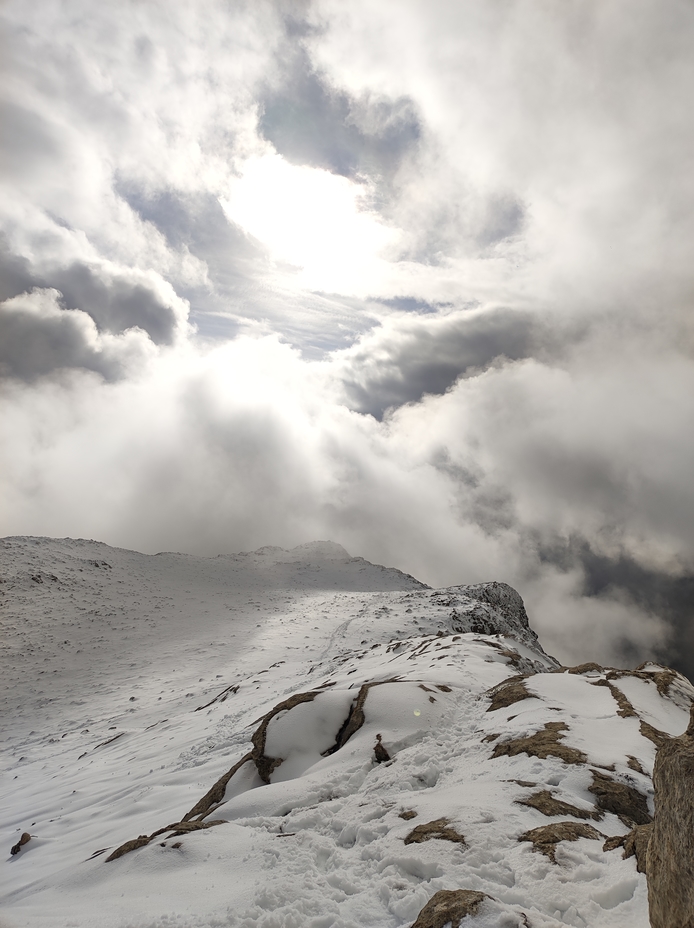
(312, 219)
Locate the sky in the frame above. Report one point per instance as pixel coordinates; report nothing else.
(412, 276)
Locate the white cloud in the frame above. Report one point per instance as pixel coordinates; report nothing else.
(540, 174)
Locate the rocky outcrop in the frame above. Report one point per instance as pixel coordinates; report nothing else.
(546, 838)
(355, 717)
(439, 829)
(449, 907)
(176, 829)
(215, 794)
(549, 805)
(264, 764)
(545, 743)
(622, 800)
(635, 844)
(508, 693)
(670, 860)
(490, 608)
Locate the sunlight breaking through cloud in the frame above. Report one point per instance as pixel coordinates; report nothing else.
(318, 221)
(412, 276)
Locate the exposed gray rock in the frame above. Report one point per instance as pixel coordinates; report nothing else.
(489, 609)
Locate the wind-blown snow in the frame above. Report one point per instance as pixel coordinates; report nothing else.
(131, 683)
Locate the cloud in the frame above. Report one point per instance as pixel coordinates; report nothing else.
(117, 302)
(15, 272)
(115, 299)
(250, 444)
(312, 123)
(408, 358)
(623, 580)
(438, 261)
(26, 141)
(38, 337)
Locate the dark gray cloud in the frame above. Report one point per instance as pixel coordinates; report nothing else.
(16, 274)
(313, 123)
(39, 338)
(667, 595)
(400, 363)
(115, 302)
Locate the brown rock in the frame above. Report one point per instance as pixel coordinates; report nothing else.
(588, 667)
(509, 692)
(544, 743)
(548, 804)
(636, 845)
(216, 793)
(16, 848)
(545, 838)
(265, 765)
(439, 829)
(613, 842)
(658, 737)
(380, 752)
(140, 841)
(670, 859)
(449, 906)
(355, 718)
(635, 764)
(626, 710)
(177, 828)
(624, 801)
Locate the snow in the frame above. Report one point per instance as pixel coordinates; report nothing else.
(131, 683)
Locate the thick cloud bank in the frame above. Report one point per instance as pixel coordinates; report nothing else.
(414, 277)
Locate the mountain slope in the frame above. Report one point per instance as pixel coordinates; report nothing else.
(133, 684)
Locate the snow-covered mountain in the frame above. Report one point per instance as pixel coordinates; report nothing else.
(281, 739)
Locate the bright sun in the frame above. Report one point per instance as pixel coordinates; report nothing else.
(312, 219)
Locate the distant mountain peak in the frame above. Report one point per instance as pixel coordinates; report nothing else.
(329, 550)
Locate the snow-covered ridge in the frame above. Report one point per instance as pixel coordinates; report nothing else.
(309, 754)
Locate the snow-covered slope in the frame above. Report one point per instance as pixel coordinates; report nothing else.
(260, 691)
